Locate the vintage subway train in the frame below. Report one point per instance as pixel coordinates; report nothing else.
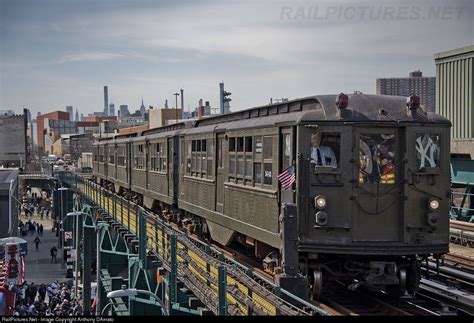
(369, 200)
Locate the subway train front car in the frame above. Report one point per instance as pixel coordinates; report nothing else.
(372, 192)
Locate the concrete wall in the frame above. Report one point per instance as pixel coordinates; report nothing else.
(462, 146)
(12, 140)
(162, 117)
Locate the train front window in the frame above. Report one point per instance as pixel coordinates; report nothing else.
(325, 149)
(427, 150)
(377, 158)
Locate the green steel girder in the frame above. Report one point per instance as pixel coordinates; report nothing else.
(117, 255)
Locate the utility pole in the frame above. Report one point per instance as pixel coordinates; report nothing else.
(176, 106)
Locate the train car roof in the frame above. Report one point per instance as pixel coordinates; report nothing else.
(364, 108)
(321, 108)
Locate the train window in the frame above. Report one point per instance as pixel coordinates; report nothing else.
(188, 158)
(248, 144)
(232, 144)
(267, 174)
(193, 162)
(240, 144)
(267, 147)
(325, 149)
(240, 165)
(286, 158)
(158, 157)
(111, 155)
(210, 157)
(257, 173)
(204, 164)
(120, 156)
(203, 145)
(427, 150)
(198, 145)
(232, 166)
(377, 158)
(258, 146)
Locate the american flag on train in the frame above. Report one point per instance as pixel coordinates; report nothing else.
(287, 177)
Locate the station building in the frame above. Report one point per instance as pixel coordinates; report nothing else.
(455, 95)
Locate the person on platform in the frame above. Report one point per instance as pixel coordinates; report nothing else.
(53, 251)
(37, 242)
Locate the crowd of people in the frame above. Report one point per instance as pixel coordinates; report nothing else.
(54, 299)
(31, 228)
(37, 205)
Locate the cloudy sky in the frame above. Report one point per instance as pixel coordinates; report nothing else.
(57, 53)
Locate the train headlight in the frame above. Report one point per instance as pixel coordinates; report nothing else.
(433, 204)
(321, 218)
(320, 202)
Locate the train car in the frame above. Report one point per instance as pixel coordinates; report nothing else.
(154, 165)
(363, 180)
(123, 161)
(100, 164)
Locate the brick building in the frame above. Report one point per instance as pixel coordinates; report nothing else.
(41, 125)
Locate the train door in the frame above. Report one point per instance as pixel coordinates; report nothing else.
(323, 195)
(377, 178)
(287, 158)
(220, 173)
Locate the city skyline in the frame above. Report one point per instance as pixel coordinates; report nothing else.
(56, 54)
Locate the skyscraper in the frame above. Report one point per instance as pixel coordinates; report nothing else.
(124, 110)
(111, 109)
(424, 87)
(69, 110)
(106, 100)
(142, 110)
(77, 116)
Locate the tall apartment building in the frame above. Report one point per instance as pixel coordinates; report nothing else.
(455, 95)
(415, 83)
(69, 109)
(111, 109)
(106, 100)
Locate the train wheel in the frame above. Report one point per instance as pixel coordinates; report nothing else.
(317, 284)
(400, 289)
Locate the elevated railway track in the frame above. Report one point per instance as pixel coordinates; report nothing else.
(228, 283)
(223, 284)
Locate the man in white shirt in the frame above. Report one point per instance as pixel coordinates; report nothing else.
(321, 156)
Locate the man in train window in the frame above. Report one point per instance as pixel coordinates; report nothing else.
(321, 156)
